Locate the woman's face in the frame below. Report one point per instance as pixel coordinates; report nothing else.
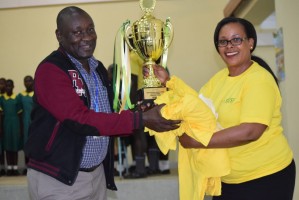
(236, 55)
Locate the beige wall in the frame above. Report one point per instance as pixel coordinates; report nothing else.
(27, 36)
(287, 18)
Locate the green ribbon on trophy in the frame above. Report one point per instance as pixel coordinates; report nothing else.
(121, 73)
(150, 38)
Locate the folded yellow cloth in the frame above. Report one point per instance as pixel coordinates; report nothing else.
(199, 170)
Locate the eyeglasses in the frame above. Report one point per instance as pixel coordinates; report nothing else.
(233, 42)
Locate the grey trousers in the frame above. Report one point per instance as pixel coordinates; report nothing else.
(88, 186)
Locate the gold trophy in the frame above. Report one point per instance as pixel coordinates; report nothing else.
(149, 38)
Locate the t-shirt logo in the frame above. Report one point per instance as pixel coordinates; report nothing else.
(229, 100)
(77, 82)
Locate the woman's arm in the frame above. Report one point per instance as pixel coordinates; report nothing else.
(229, 137)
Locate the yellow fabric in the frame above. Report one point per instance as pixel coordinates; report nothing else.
(25, 93)
(12, 96)
(199, 169)
(251, 97)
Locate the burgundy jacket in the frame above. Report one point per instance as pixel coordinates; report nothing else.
(61, 120)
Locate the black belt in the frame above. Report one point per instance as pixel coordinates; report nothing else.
(89, 169)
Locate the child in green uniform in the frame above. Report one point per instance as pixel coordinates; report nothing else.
(27, 103)
(11, 106)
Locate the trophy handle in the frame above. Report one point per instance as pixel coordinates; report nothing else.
(168, 34)
(128, 36)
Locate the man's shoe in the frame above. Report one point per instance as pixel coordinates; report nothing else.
(153, 172)
(116, 173)
(2, 172)
(135, 175)
(166, 171)
(15, 173)
(132, 168)
(24, 172)
(9, 172)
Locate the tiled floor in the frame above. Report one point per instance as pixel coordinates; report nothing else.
(12, 180)
(161, 187)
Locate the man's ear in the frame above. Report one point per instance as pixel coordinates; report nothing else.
(58, 35)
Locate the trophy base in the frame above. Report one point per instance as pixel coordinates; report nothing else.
(146, 96)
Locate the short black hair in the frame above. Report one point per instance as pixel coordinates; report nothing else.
(10, 81)
(248, 27)
(67, 11)
(28, 76)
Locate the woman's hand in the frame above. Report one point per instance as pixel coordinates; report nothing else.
(159, 71)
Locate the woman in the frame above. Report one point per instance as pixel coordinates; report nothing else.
(248, 103)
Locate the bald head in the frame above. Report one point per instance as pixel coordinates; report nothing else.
(66, 13)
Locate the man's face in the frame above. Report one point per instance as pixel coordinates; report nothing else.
(78, 36)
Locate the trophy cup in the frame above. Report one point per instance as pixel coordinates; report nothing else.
(149, 38)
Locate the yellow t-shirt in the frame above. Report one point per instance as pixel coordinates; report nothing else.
(199, 169)
(251, 97)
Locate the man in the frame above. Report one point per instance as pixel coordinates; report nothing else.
(69, 148)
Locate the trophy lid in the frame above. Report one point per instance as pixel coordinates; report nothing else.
(147, 6)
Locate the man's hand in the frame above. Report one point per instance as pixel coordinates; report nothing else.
(153, 120)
